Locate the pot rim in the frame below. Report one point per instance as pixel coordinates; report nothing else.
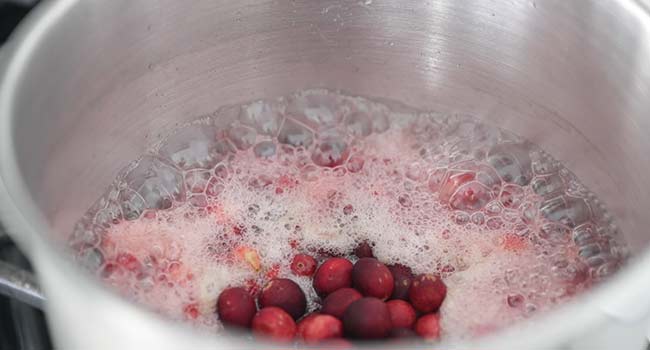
(620, 299)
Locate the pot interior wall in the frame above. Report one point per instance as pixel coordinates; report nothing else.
(571, 76)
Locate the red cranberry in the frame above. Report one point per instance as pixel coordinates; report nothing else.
(402, 314)
(285, 294)
(303, 265)
(402, 277)
(128, 261)
(427, 292)
(333, 274)
(372, 278)
(316, 327)
(236, 307)
(363, 250)
(336, 303)
(367, 318)
(274, 323)
(402, 333)
(428, 326)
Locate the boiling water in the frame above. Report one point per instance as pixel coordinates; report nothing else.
(511, 230)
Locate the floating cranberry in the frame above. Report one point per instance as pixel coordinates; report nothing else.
(316, 327)
(427, 292)
(333, 274)
(402, 279)
(428, 326)
(402, 333)
(128, 261)
(363, 250)
(285, 294)
(303, 265)
(236, 307)
(337, 302)
(402, 314)
(372, 278)
(274, 323)
(367, 318)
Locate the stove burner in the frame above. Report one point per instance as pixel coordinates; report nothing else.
(21, 326)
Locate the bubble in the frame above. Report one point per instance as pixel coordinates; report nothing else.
(242, 137)
(295, 134)
(152, 184)
(109, 215)
(436, 179)
(380, 122)
(461, 218)
(512, 162)
(195, 146)
(555, 233)
(470, 197)
(315, 109)
(309, 173)
(544, 164)
(85, 235)
(585, 234)
(478, 218)
(515, 300)
(330, 153)
(90, 258)
(265, 149)
(197, 180)
(358, 124)
(355, 164)
(265, 117)
(547, 186)
(511, 196)
(607, 269)
(199, 200)
(415, 171)
(405, 200)
(494, 223)
(570, 211)
(214, 187)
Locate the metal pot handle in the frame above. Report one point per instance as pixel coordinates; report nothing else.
(21, 285)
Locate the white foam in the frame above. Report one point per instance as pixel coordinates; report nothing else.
(271, 204)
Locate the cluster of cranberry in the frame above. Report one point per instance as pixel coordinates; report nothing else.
(366, 300)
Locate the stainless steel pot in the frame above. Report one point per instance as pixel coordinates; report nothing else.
(87, 85)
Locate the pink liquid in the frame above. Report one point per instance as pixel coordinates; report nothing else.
(512, 232)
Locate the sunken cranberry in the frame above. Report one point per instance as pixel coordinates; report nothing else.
(372, 278)
(367, 318)
(285, 294)
(303, 265)
(333, 274)
(402, 277)
(402, 333)
(236, 307)
(427, 292)
(363, 250)
(428, 326)
(274, 323)
(402, 314)
(316, 327)
(336, 303)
